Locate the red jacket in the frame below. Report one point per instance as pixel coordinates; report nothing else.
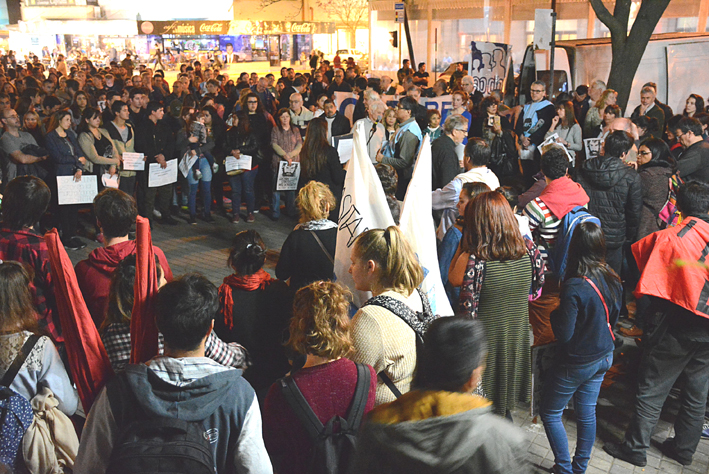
(674, 267)
(94, 275)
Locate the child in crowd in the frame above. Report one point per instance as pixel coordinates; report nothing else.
(199, 131)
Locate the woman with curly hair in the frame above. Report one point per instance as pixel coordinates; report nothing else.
(320, 331)
(594, 117)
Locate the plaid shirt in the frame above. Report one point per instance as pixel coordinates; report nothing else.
(116, 340)
(28, 247)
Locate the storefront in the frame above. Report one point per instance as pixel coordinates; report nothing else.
(234, 41)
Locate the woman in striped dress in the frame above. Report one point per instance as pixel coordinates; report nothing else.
(495, 268)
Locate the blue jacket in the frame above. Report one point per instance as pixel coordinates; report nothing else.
(66, 160)
(579, 323)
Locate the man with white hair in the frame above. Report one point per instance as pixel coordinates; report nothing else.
(595, 90)
(375, 132)
(466, 82)
(648, 107)
(385, 85)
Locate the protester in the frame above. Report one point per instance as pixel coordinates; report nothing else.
(693, 163)
(594, 117)
(590, 305)
(385, 329)
(287, 145)
(308, 253)
(693, 105)
(320, 332)
(181, 384)
(444, 159)
(531, 127)
(96, 145)
(468, 437)
(655, 166)
(320, 162)
(564, 125)
(115, 213)
(495, 268)
(240, 141)
(14, 143)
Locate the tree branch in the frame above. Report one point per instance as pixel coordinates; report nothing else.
(605, 16)
(648, 16)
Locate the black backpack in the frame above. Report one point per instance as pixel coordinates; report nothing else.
(332, 449)
(153, 444)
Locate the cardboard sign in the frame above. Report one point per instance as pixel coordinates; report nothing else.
(288, 176)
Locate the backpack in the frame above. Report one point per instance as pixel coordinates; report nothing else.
(418, 322)
(669, 215)
(16, 413)
(154, 444)
(558, 255)
(332, 450)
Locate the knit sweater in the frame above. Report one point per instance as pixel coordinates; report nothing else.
(384, 341)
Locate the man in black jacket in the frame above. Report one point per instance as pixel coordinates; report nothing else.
(444, 159)
(154, 139)
(693, 163)
(337, 124)
(532, 125)
(616, 195)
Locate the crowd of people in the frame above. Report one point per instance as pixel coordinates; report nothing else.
(265, 369)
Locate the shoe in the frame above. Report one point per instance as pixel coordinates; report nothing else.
(668, 449)
(169, 220)
(192, 220)
(235, 219)
(157, 213)
(215, 168)
(197, 174)
(207, 218)
(619, 451)
(250, 218)
(632, 331)
(705, 430)
(75, 243)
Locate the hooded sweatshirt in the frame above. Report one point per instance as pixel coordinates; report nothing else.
(616, 198)
(430, 432)
(194, 389)
(94, 275)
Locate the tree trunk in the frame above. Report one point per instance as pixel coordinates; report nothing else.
(628, 49)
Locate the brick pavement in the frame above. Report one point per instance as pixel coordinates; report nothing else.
(204, 248)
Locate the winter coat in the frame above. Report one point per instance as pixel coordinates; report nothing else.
(616, 198)
(655, 177)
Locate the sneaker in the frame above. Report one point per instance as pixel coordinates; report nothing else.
(668, 449)
(215, 168)
(157, 214)
(705, 430)
(197, 174)
(250, 218)
(235, 218)
(75, 243)
(619, 451)
(192, 220)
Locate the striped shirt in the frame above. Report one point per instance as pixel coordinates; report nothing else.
(540, 217)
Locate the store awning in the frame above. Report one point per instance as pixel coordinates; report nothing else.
(82, 27)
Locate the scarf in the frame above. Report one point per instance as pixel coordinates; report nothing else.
(257, 281)
(322, 224)
(562, 195)
(475, 274)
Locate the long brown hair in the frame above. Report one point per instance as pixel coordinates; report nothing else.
(491, 230)
(17, 312)
(569, 118)
(313, 156)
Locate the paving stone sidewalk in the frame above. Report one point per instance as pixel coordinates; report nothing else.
(204, 248)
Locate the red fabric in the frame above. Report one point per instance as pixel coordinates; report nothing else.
(257, 281)
(562, 195)
(90, 367)
(329, 389)
(94, 275)
(674, 267)
(143, 330)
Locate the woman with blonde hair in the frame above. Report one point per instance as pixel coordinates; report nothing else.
(320, 330)
(308, 253)
(594, 117)
(387, 328)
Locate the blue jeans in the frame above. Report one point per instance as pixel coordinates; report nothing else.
(276, 203)
(206, 183)
(583, 382)
(245, 182)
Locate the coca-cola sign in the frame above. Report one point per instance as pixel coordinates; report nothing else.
(184, 27)
(235, 27)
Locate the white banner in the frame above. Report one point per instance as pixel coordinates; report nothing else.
(288, 176)
(417, 225)
(76, 192)
(363, 207)
(158, 176)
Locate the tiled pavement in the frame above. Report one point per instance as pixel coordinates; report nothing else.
(204, 248)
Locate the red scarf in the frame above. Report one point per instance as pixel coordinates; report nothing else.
(257, 281)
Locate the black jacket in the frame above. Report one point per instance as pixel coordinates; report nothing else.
(546, 114)
(246, 145)
(444, 162)
(154, 139)
(693, 163)
(616, 198)
(341, 125)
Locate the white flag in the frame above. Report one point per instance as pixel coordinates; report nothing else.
(363, 207)
(417, 225)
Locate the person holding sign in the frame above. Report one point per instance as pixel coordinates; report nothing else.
(287, 143)
(121, 133)
(68, 159)
(96, 144)
(241, 143)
